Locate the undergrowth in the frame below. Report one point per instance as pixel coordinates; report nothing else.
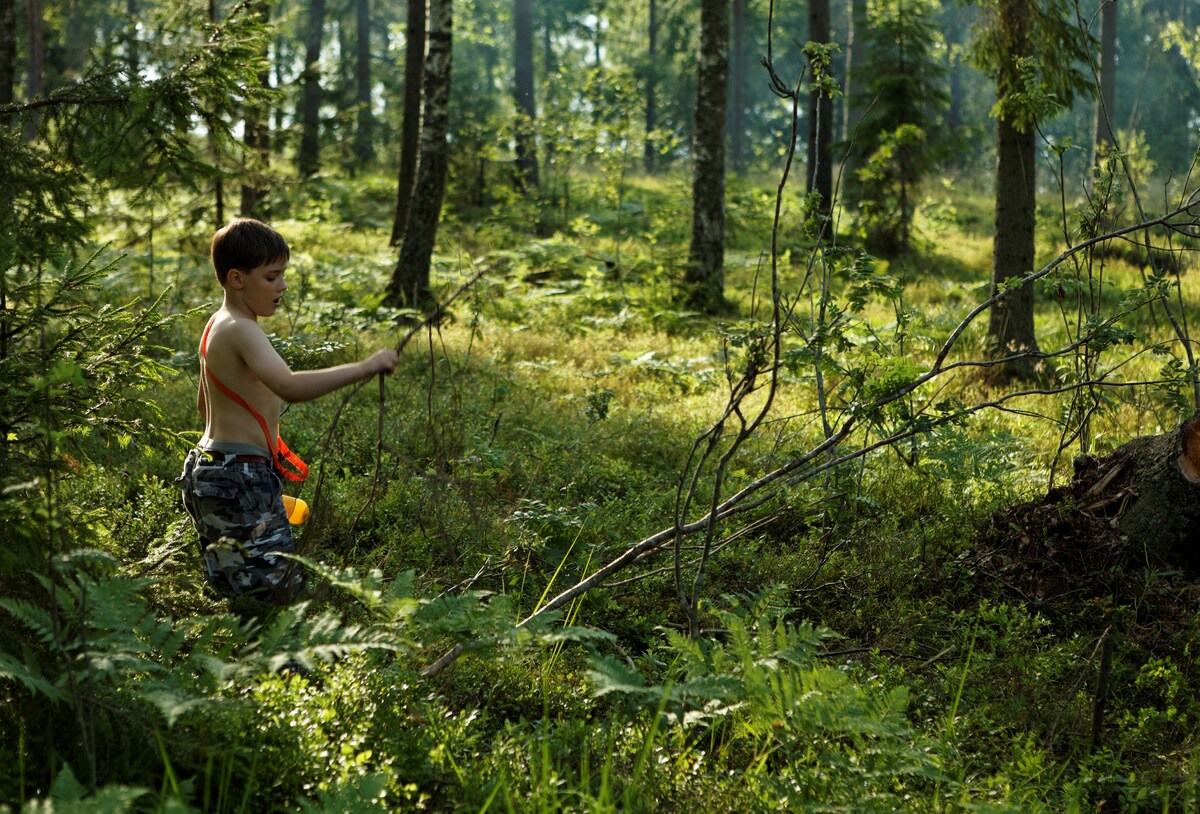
(847, 662)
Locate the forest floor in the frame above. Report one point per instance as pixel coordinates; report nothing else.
(925, 629)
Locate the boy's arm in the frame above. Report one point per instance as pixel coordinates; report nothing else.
(296, 386)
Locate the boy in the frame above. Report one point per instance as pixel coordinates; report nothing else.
(231, 481)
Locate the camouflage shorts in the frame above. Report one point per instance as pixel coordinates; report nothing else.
(237, 509)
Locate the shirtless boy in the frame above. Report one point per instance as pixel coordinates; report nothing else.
(231, 480)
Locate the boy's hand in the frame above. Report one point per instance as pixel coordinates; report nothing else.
(383, 361)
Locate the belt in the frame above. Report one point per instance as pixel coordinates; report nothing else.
(237, 458)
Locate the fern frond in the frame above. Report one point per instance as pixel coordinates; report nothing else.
(32, 678)
(448, 614)
(34, 617)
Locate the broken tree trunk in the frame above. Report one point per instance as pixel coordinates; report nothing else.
(1136, 508)
(1164, 520)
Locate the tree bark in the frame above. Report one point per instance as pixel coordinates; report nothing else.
(284, 55)
(132, 58)
(1106, 99)
(214, 147)
(1165, 476)
(523, 93)
(854, 88)
(649, 150)
(409, 286)
(70, 57)
(8, 55)
(410, 130)
(1011, 323)
(364, 148)
(1132, 512)
(704, 278)
(36, 65)
(737, 88)
(256, 134)
(308, 158)
(819, 173)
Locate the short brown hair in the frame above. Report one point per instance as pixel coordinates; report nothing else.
(245, 244)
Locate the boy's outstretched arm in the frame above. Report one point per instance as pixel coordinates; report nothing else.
(296, 386)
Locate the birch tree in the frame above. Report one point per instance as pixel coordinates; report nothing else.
(409, 286)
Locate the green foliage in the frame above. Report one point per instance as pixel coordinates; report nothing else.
(904, 103)
(795, 730)
(1033, 50)
(534, 435)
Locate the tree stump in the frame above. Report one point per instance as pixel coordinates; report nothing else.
(1164, 520)
(1137, 508)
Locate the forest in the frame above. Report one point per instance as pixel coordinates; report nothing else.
(796, 406)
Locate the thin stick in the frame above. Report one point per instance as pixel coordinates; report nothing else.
(434, 316)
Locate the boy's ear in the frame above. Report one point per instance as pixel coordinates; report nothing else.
(234, 279)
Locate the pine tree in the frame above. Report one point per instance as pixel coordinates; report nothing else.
(1032, 51)
(705, 275)
(903, 100)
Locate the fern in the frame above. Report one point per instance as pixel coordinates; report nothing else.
(39, 620)
(30, 676)
(69, 796)
(767, 702)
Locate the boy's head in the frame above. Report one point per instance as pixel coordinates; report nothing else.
(246, 244)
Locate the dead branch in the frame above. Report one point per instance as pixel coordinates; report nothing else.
(433, 317)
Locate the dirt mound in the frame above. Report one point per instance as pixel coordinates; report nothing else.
(1125, 526)
(1066, 544)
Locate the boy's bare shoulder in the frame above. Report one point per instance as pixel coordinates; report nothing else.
(234, 330)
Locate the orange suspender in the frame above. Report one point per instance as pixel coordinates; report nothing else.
(287, 463)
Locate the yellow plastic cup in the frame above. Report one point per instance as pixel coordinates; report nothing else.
(297, 509)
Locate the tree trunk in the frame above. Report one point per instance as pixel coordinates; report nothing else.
(1106, 100)
(36, 65)
(131, 39)
(284, 55)
(410, 286)
(71, 60)
(954, 115)
(1165, 518)
(1133, 512)
(737, 88)
(550, 67)
(819, 173)
(345, 68)
(705, 275)
(214, 146)
(364, 148)
(8, 54)
(256, 135)
(1010, 324)
(955, 22)
(649, 149)
(527, 164)
(598, 35)
(308, 159)
(410, 130)
(854, 88)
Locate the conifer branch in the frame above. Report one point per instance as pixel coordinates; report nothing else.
(76, 95)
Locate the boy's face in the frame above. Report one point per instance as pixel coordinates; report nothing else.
(262, 288)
